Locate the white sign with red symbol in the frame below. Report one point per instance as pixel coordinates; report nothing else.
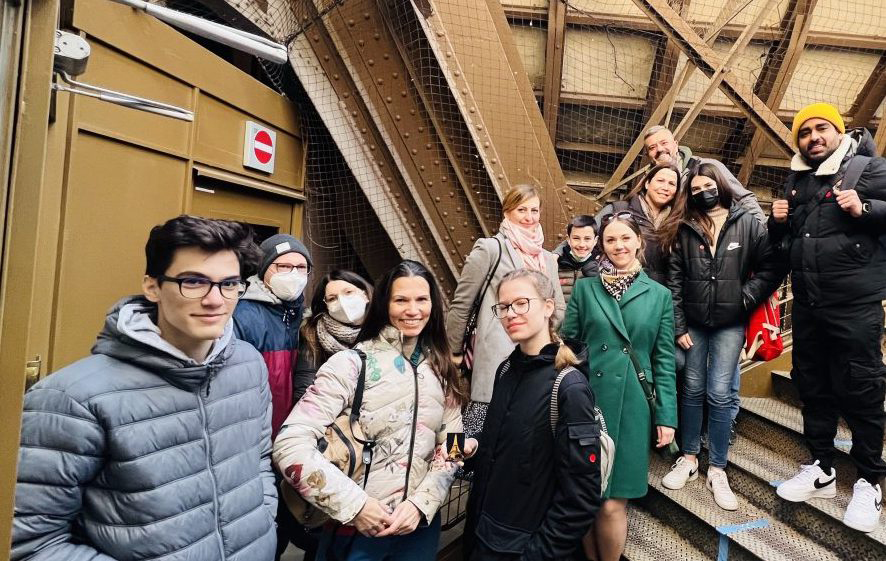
(259, 147)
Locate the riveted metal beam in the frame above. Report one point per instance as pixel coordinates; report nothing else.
(776, 75)
(871, 96)
(738, 90)
(556, 38)
(475, 49)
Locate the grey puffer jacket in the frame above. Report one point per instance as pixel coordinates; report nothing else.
(138, 452)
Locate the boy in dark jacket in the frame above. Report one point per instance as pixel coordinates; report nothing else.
(575, 258)
(159, 443)
(831, 222)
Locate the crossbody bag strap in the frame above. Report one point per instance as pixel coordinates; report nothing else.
(478, 301)
(555, 398)
(648, 391)
(354, 416)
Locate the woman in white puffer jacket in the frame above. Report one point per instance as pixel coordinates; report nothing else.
(412, 398)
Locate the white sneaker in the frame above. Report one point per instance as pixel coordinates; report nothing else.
(718, 484)
(682, 472)
(863, 512)
(811, 482)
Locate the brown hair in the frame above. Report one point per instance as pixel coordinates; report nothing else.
(631, 223)
(543, 287)
(684, 210)
(517, 195)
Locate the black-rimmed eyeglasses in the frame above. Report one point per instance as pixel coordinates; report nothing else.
(520, 307)
(288, 268)
(199, 287)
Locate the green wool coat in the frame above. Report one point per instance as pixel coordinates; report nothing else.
(645, 317)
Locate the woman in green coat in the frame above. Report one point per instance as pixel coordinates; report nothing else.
(620, 307)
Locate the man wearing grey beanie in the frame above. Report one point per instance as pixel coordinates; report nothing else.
(268, 317)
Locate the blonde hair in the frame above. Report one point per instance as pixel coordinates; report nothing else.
(517, 195)
(543, 287)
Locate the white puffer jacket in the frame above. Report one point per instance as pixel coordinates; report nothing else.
(387, 416)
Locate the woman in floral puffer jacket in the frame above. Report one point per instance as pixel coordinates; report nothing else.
(412, 398)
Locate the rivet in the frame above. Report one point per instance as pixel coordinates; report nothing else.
(473, 109)
(445, 214)
(452, 193)
(430, 183)
(459, 241)
(451, 252)
(376, 36)
(427, 252)
(445, 238)
(326, 58)
(413, 224)
(479, 127)
(486, 145)
(403, 93)
(370, 62)
(412, 111)
(395, 75)
(365, 15)
(361, 42)
(414, 151)
(500, 176)
(389, 179)
(335, 76)
(457, 73)
(448, 53)
(316, 38)
(436, 162)
(379, 81)
(440, 34)
(353, 113)
(428, 146)
(563, 191)
(421, 168)
(421, 129)
(437, 199)
(396, 195)
(396, 117)
(372, 146)
(363, 131)
(386, 56)
(346, 95)
(405, 135)
(494, 161)
(464, 91)
(351, 22)
(458, 209)
(443, 179)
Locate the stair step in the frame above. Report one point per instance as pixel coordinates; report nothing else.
(756, 468)
(789, 418)
(776, 541)
(651, 539)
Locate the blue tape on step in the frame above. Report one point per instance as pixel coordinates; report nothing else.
(725, 531)
(842, 442)
(776, 483)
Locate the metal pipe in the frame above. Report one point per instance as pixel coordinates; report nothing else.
(126, 100)
(226, 35)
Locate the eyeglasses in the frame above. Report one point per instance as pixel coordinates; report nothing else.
(623, 215)
(288, 268)
(520, 307)
(199, 287)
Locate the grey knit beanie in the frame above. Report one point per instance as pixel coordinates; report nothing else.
(277, 245)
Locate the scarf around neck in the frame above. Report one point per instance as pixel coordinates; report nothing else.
(335, 336)
(618, 282)
(528, 242)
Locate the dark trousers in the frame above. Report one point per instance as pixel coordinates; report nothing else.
(838, 370)
(290, 530)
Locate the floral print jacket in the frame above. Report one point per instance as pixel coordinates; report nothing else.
(386, 416)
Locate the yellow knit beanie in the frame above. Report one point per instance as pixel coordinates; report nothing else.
(824, 111)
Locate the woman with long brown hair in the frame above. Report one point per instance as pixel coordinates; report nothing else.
(413, 397)
(517, 245)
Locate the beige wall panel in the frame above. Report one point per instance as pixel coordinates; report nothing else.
(161, 46)
(828, 75)
(530, 43)
(244, 205)
(114, 70)
(525, 4)
(748, 66)
(861, 17)
(588, 66)
(620, 7)
(110, 210)
(708, 10)
(220, 130)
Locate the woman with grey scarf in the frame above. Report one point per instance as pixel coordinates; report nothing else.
(337, 311)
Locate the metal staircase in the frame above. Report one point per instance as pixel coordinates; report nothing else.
(686, 524)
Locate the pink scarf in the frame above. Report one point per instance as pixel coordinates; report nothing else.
(527, 241)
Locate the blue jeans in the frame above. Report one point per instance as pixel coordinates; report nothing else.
(420, 545)
(710, 373)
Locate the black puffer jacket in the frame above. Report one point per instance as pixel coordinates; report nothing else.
(535, 495)
(718, 290)
(655, 260)
(570, 270)
(835, 258)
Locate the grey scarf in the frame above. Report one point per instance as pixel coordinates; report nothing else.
(335, 336)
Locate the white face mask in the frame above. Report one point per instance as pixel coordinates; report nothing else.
(288, 286)
(349, 308)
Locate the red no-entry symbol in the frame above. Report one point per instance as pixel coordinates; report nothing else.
(263, 147)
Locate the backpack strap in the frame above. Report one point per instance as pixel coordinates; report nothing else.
(848, 180)
(354, 416)
(854, 169)
(555, 397)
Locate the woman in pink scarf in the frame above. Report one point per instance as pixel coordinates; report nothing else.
(517, 245)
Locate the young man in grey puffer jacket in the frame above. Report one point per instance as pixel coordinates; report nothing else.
(158, 445)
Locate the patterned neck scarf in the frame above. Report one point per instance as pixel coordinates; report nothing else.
(335, 336)
(618, 282)
(528, 242)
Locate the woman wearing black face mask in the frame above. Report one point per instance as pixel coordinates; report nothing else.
(721, 268)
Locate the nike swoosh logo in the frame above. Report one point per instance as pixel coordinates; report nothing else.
(820, 485)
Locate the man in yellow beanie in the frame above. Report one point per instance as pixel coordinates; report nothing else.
(831, 226)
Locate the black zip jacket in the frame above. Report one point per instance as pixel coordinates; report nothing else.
(721, 289)
(834, 258)
(535, 495)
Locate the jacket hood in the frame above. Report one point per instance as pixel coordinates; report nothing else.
(258, 291)
(131, 335)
